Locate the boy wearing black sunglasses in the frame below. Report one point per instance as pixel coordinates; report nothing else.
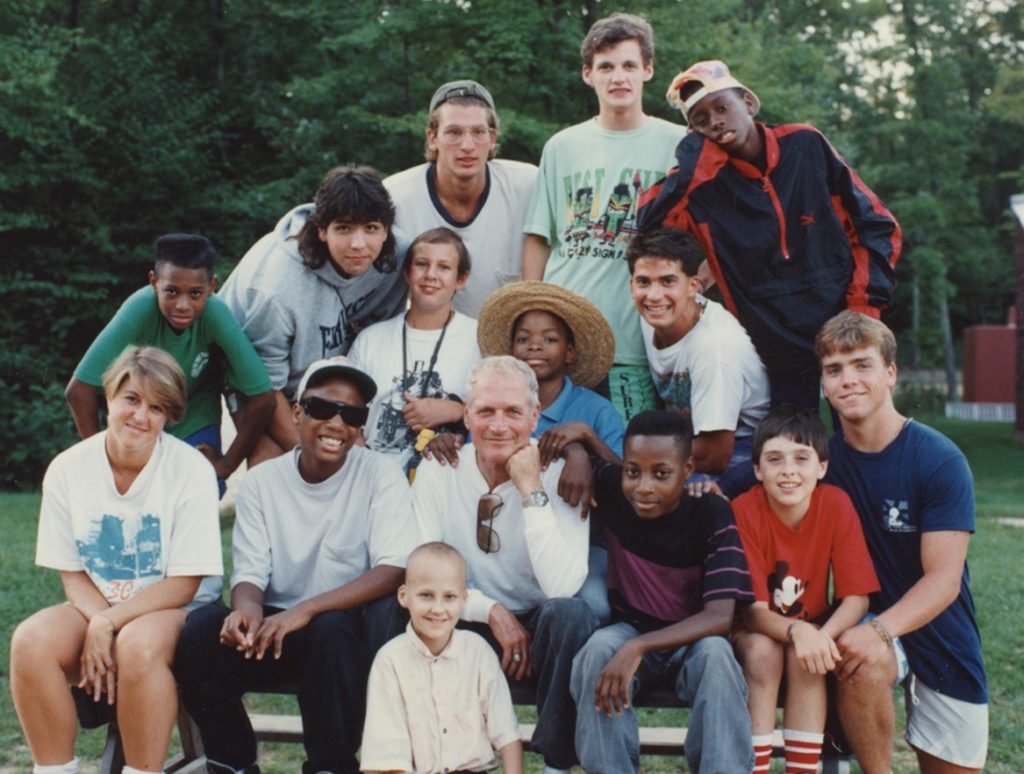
(319, 545)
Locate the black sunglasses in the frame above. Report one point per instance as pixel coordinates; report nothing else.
(487, 539)
(318, 408)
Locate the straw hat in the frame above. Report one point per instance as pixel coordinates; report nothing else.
(595, 344)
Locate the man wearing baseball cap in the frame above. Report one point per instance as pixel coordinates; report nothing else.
(791, 233)
(319, 546)
(463, 187)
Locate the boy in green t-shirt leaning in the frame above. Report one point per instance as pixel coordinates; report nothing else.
(179, 314)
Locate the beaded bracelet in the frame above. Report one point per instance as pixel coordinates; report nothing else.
(879, 627)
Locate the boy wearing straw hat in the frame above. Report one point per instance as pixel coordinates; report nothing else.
(569, 345)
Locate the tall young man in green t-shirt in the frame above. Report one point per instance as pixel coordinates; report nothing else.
(583, 210)
(178, 313)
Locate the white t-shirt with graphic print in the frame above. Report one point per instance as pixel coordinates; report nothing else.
(378, 351)
(713, 372)
(166, 524)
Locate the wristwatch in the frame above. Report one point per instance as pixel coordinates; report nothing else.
(536, 499)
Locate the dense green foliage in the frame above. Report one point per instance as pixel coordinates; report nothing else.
(122, 119)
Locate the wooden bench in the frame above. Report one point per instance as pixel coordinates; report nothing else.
(654, 740)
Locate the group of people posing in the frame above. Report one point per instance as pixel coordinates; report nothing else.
(524, 445)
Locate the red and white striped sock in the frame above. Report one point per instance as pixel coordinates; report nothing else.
(803, 750)
(762, 752)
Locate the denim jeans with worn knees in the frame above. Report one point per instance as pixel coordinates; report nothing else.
(328, 661)
(704, 675)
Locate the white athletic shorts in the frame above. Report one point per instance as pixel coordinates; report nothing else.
(950, 729)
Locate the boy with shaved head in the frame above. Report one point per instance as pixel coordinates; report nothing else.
(437, 699)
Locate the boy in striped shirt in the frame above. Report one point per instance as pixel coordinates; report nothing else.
(676, 576)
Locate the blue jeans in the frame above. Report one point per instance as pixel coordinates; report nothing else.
(328, 661)
(705, 676)
(558, 628)
(209, 435)
(595, 588)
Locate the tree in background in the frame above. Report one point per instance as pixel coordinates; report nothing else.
(121, 120)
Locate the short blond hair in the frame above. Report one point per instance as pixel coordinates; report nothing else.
(435, 551)
(850, 330)
(156, 375)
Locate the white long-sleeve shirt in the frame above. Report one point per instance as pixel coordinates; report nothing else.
(543, 551)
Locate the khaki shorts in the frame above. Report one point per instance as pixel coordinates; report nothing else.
(950, 729)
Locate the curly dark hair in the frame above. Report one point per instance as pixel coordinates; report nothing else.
(351, 194)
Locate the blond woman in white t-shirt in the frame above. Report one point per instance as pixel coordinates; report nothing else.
(129, 518)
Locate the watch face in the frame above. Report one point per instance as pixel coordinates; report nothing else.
(537, 499)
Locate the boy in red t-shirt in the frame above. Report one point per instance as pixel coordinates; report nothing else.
(793, 532)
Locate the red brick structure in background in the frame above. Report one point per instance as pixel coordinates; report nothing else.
(990, 375)
(1017, 205)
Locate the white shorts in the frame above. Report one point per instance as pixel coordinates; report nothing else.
(950, 729)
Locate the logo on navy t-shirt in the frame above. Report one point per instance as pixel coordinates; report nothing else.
(896, 516)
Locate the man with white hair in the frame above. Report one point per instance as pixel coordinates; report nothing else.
(525, 549)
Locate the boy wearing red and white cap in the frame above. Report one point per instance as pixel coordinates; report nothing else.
(792, 235)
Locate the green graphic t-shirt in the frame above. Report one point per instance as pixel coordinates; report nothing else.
(584, 204)
(212, 351)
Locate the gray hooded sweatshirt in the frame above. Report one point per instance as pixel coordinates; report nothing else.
(295, 315)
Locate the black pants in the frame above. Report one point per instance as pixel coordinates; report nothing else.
(327, 662)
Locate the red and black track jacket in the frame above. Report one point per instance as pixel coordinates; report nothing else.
(789, 248)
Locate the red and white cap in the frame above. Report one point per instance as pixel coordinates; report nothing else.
(713, 76)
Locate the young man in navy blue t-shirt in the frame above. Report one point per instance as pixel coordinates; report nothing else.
(913, 491)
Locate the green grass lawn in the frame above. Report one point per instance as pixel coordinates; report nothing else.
(997, 581)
